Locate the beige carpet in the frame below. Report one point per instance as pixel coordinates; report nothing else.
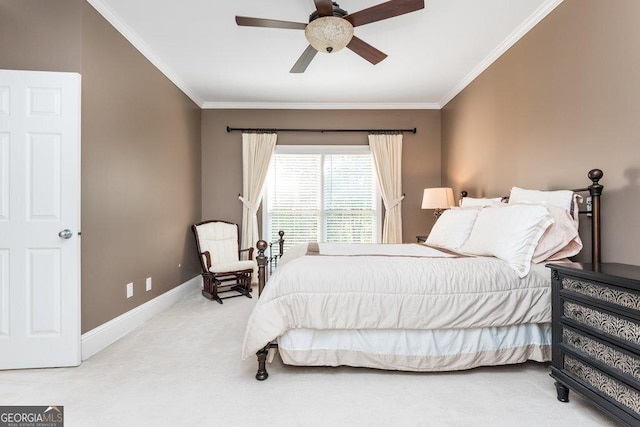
(183, 368)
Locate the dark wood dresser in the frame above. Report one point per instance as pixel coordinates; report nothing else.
(596, 335)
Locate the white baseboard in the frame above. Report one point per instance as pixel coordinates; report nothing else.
(99, 338)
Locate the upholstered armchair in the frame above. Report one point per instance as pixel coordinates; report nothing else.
(222, 268)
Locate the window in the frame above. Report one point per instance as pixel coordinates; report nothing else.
(322, 193)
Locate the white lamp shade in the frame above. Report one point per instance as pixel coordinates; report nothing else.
(329, 33)
(438, 198)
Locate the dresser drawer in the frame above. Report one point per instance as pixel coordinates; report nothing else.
(612, 325)
(615, 359)
(613, 389)
(622, 298)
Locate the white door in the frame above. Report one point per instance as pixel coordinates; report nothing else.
(39, 219)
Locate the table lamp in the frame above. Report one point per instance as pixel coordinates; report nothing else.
(439, 198)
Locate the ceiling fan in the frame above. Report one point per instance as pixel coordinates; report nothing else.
(330, 28)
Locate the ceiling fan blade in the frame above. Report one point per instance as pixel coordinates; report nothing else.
(383, 11)
(366, 51)
(324, 7)
(305, 59)
(268, 23)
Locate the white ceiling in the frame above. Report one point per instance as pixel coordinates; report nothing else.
(433, 53)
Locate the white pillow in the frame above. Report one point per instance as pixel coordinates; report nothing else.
(466, 202)
(560, 240)
(452, 229)
(561, 198)
(510, 233)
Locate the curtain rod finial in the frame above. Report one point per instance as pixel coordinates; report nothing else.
(229, 129)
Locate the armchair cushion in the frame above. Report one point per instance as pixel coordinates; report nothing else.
(220, 240)
(232, 267)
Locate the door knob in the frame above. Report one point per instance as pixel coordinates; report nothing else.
(65, 234)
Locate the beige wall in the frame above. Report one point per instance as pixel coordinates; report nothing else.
(140, 176)
(140, 152)
(222, 152)
(40, 35)
(563, 100)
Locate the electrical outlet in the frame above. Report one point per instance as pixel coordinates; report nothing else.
(129, 290)
(148, 283)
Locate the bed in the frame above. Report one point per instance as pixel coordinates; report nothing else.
(476, 293)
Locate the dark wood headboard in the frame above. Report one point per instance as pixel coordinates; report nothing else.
(592, 211)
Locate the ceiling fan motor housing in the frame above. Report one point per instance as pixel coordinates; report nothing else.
(337, 11)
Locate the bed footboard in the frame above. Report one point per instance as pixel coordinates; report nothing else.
(261, 259)
(262, 354)
(262, 373)
(266, 264)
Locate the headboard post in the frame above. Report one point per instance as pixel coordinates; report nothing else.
(595, 190)
(280, 243)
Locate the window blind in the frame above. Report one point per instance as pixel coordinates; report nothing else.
(322, 196)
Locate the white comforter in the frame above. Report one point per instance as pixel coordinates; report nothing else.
(393, 287)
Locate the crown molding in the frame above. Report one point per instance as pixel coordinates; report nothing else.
(145, 50)
(317, 106)
(516, 35)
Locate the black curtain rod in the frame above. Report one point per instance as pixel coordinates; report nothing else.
(230, 129)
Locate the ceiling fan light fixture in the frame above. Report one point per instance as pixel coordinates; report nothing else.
(329, 33)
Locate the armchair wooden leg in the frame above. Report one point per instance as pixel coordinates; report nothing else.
(241, 287)
(214, 288)
(239, 282)
(210, 289)
(206, 286)
(247, 283)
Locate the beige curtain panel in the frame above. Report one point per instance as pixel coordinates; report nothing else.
(257, 150)
(387, 156)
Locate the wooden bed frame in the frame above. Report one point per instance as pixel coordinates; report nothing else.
(266, 264)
